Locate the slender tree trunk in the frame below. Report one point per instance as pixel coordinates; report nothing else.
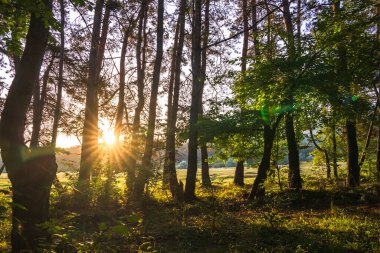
(146, 168)
(170, 101)
(195, 100)
(131, 159)
(39, 98)
(378, 156)
(334, 152)
(205, 168)
(175, 187)
(89, 150)
(369, 135)
(255, 33)
(57, 110)
(239, 170)
(239, 174)
(121, 103)
(325, 152)
(258, 189)
(31, 173)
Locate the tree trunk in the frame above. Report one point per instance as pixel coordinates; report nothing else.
(353, 177)
(173, 68)
(90, 149)
(295, 181)
(334, 152)
(57, 110)
(239, 174)
(140, 60)
(369, 135)
(325, 152)
(378, 156)
(206, 181)
(175, 187)
(31, 172)
(146, 169)
(195, 100)
(255, 33)
(258, 189)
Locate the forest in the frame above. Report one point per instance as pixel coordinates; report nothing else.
(189, 126)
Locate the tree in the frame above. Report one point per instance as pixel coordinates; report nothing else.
(196, 52)
(89, 149)
(31, 172)
(145, 171)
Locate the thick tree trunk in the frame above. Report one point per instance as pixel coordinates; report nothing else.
(31, 172)
(239, 174)
(89, 150)
(146, 169)
(353, 176)
(258, 189)
(57, 110)
(294, 178)
(195, 100)
(131, 159)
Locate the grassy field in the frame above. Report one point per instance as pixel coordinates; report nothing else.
(323, 217)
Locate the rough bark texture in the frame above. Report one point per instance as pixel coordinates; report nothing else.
(378, 156)
(239, 174)
(31, 172)
(353, 176)
(57, 110)
(89, 150)
(195, 98)
(146, 168)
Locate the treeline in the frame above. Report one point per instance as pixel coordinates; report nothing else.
(251, 79)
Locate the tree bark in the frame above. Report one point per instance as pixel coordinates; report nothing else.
(239, 174)
(146, 169)
(294, 177)
(175, 187)
(334, 152)
(31, 172)
(57, 110)
(90, 149)
(195, 100)
(140, 60)
(39, 98)
(295, 181)
(258, 189)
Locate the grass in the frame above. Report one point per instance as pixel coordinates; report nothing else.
(320, 218)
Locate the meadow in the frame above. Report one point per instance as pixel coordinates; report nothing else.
(321, 218)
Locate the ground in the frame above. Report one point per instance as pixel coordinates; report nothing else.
(323, 217)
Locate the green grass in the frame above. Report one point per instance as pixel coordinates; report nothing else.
(321, 218)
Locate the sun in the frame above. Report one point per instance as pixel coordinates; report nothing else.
(109, 138)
